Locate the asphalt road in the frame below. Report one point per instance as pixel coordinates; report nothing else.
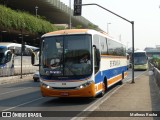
(25, 96)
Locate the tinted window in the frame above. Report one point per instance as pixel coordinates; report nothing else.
(68, 55)
(103, 44)
(96, 41)
(115, 48)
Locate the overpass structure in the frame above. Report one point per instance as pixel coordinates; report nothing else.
(53, 10)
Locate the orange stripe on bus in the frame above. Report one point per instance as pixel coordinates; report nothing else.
(113, 80)
(125, 74)
(99, 87)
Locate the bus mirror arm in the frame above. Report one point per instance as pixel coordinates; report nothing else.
(94, 46)
(32, 59)
(98, 55)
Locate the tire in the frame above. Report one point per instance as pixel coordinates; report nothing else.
(104, 88)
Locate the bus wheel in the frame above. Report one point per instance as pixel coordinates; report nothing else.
(104, 89)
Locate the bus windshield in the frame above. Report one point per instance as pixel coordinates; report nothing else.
(140, 58)
(2, 57)
(66, 56)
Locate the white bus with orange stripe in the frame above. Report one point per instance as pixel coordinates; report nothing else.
(80, 63)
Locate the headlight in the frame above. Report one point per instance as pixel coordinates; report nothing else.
(84, 85)
(46, 86)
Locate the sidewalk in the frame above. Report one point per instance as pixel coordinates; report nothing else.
(143, 95)
(13, 79)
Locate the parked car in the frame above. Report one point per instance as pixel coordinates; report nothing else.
(36, 76)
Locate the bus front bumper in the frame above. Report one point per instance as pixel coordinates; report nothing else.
(140, 67)
(88, 91)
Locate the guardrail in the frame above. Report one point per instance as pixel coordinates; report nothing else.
(156, 73)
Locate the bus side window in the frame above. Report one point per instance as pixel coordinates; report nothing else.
(17, 51)
(96, 46)
(103, 43)
(96, 59)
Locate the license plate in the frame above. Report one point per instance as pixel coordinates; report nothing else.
(64, 94)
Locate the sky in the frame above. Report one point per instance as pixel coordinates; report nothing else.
(144, 13)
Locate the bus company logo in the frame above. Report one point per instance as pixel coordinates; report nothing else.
(114, 63)
(6, 114)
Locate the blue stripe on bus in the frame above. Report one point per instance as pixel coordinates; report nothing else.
(109, 73)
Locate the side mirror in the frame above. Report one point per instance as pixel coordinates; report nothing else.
(8, 56)
(35, 58)
(97, 54)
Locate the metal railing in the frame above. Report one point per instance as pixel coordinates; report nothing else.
(156, 74)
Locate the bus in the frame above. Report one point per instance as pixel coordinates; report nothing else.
(10, 59)
(140, 60)
(80, 63)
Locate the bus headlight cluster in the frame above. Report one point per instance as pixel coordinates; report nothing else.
(84, 85)
(46, 86)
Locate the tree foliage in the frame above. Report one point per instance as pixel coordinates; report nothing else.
(156, 62)
(22, 20)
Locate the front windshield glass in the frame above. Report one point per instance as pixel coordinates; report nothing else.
(140, 58)
(2, 57)
(66, 56)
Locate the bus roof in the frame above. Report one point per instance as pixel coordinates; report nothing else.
(77, 31)
(139, 51)
(67, 31)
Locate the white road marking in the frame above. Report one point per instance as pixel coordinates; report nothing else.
(23, 104)
(15, 91)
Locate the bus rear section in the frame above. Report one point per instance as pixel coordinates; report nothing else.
(73, 64)
(10, 59)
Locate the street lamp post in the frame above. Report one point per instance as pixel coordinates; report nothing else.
(21, 50)
(22, 46)
(108, 27)
(131, 22)
(70, 12)
(36, 10)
